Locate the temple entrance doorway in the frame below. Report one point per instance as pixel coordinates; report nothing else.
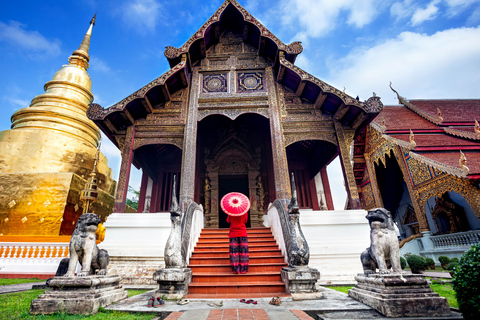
(234, 155)
(226, 184)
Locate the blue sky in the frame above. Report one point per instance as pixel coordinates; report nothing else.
(428, 49)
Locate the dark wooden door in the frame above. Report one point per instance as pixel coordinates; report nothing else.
(226, 184)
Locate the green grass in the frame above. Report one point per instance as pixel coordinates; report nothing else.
(343, 289)
(15, 306)
(444, 290)
(6, 282)
(132, 293)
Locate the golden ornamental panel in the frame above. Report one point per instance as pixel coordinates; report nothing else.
(438, 186)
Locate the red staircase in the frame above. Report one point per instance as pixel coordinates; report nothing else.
(213, 277)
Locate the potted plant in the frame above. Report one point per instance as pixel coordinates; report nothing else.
(430, 263)
(451, 267)
(444, 261)
(416, 263)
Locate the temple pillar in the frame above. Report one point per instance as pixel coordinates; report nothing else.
(419, 210)
(280, 164)
(345, 139)
(187, 183)
(326, 188)
(373, 182)
(143, 192)
(123, 179)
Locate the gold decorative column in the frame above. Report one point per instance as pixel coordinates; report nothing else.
(280, 164)
(48, 153)
(344, 140)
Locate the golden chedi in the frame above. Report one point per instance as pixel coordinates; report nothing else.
(49, 152)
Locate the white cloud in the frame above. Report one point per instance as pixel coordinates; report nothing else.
(419, 65)
(142, 15)
(33, 42)
(429, 13)
(97, 64)
(315, 18)
(402, 9)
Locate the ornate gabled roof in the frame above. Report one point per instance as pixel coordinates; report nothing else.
(231, 15)
(440, 137)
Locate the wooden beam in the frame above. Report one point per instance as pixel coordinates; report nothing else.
(129, 116)
(300, 88)
(357, 122)
(281, 73)
(166, 92)
(320, 100)
(110, 125)
(261, 45)
(341, 111)
(146, 104)
(203, 48)
(245, 32)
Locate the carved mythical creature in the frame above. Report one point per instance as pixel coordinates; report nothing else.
(83, 248)
(384, 252)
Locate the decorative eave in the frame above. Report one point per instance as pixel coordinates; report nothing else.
(349, 111)
(140, 103)
(455, 171)
(252, 30)
(436, 120)
(462, 134)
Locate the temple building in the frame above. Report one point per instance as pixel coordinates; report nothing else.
(47, 156)
(234, 113)
(421, 160)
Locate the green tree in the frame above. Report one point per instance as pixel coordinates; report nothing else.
(133, 201)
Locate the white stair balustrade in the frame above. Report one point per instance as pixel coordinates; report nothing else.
(31, 258)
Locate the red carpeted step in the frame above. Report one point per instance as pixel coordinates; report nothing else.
(211, 271)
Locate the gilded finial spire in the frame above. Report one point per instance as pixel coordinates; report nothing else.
(439, 115)
(462, 162)
(413, 144)
(80, 56)
(476, 128)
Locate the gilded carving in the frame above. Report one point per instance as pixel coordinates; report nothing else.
(214, 83)
(439, 186)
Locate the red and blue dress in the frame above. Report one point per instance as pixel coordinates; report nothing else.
(238, 243)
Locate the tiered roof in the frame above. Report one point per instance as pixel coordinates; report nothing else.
(442, 130)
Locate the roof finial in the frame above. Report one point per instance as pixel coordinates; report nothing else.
(413, 144)
(439, 115)
(476, 128)
(80, 56)
(399, 97)
(462, 162)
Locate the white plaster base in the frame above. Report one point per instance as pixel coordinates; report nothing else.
(336, 239)
(136, 234)
(136, 244)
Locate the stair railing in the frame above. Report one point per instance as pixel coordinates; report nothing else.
(290, 238)
(184, 233)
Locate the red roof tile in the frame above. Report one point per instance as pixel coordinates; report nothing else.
(401, 118)
(452, 110)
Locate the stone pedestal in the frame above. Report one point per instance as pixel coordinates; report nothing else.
(396, 295)
(300, 279)
(79, 295)
(173, 282)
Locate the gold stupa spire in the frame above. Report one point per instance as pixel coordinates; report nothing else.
(63, 105)
(80, 56)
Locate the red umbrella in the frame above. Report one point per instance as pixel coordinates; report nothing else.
(235, 204)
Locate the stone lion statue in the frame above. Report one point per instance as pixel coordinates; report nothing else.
(83, 248)
(383, 252)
